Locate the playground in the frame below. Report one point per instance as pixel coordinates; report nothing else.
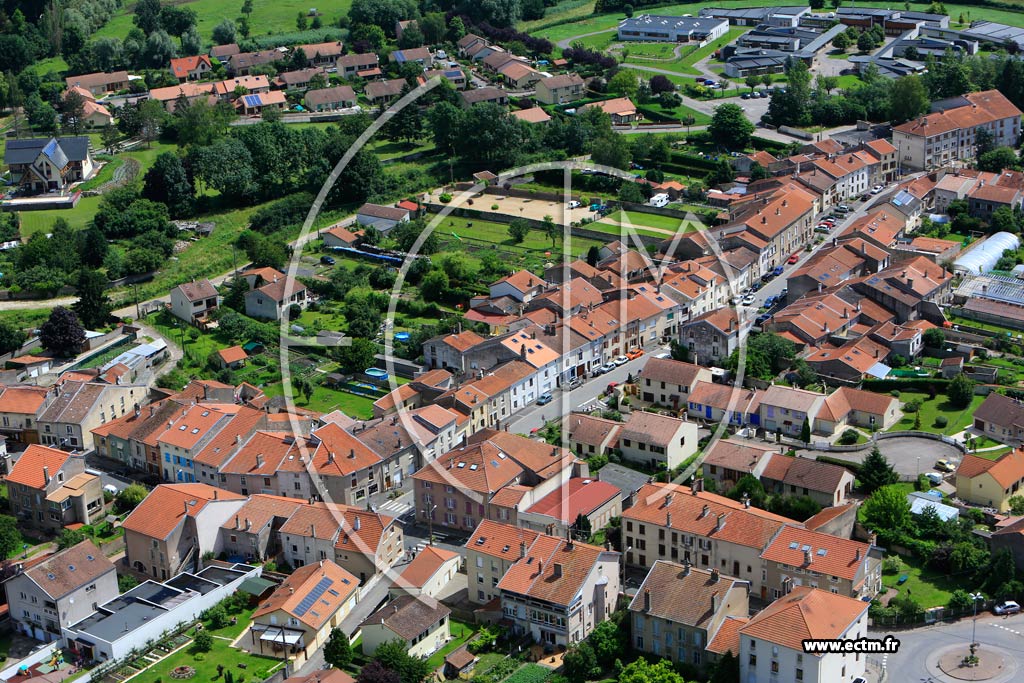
(52, 670)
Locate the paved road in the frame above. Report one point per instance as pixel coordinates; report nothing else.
(565, 402)
(917, 647)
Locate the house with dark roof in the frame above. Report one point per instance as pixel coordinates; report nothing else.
(329, 99)
(60, 591)
(100, 83)
(419, 621)
(679, 609)
(272, 300)
(383, 218)
(357, 64)
(487, 93)
(668, 382)
(297, 618)
(194, 301)
(560, 89)
(1001, 417)
(48, 164)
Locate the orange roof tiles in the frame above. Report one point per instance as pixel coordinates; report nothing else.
(427, 562)
(829, 555)
(727, 639)
(165, 507)
(500, 540)
(463, 341)
(28, 470)
(482, 468)
(522, 280)
(535, 575)
(576, 497)
(25, 400)
(303, 584)
(1006, 470)
(232, 354)
(805, 613)
(339, 453)
(981, 108)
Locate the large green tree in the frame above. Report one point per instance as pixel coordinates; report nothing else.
(730, 127)
(960, 391)
(394, 655)
(62, 333)
(10, 537)
(168, 183)
(909, 98)
(338, 649)
(93, 306)
(876, 472)
(887, 509)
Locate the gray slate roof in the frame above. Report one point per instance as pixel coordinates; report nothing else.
(64, 150)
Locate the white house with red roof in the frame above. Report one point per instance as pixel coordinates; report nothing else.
(428, 574)
(521, 285)
(771, 643)
(559, 512)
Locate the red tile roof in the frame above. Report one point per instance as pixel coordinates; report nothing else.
(830, 555)
(25, 400)
(165, 507)
(28, 470)
(576, 497)
(1006, 470)
(182, 65)
(537, 575)
(427, 562)
(232, 354)
(304, 586)
(805, 613)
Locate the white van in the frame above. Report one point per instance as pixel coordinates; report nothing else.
(660, 200)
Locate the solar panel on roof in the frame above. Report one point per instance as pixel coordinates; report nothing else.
(50, 147)
(251, 100)
(313, 596)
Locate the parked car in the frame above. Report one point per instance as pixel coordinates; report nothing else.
(634, 353)
(777, 271)
(576, 383)
(783, 293)
(747, 300)
(822, 228)
(842, 208)
(621, 360)
(327, 260)
(1007, 607)
(944, 466)
(574, 204)
(756, 286)
(934, 477)
(793, 259)
(608, 367)
(544, 398)
(745, 96)
(876, 189)
(762, 319)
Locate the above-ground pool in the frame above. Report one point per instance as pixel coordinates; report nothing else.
(376, 373)
(401, 336)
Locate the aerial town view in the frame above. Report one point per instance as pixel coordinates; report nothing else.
(511, 341)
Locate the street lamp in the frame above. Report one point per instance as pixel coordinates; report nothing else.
(975, 597)
(628, 550)
(430, 524)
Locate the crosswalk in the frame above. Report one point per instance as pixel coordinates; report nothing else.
(394, 507)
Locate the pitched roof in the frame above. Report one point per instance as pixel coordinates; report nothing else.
(482, 468)
(166, 506)
(532, 115)
(699, 514)
(388, 212)
(70, 569)
(1006, 470)
(339, 453)
(408, 616)
(592, 431)
(735, 455)
(495, 539)
(28, 470)
(727, 638)
(553, 570)
(182, 65)
(312, 594)
(1001, 410)
(725, 397)
(860, 400)
(282, 288)
(981, 108)
(260, 510)
(670, 371)
(576, 497)
(541, 458)
(385, 88)
(619, 106)
(427, 562)
(651, 428)
(97, 79)
(825, 516)
(687, 596)
(194, 291)
(521, 280)
(232, 354)
(829, 555)
(790, 398)
(21, 399)
(803, 614)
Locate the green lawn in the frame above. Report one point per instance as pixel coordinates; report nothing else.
(325, 400)
(497, 233)
(933, 408)
(649, 51)
(651, 220)
(268, 16)
(25, 318)
(928, 587)
(255, 668)
(460, 634)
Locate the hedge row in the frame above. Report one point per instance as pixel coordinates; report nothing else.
(925, 384)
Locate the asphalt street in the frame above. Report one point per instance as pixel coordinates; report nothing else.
(911, 663)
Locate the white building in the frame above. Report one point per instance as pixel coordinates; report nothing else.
(771, 644)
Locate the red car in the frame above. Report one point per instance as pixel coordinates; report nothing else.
(793, 259)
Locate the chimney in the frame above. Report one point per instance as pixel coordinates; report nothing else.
(46, 475)
(746, 500)
(312, 530)
(540, 567)
(522, 550)
(351, 454)
(259, 460)
(720, 522)
(856, 557)
(686, 568)
(558, 570)
(668, 519)
(698, 486)
(237, 522)
(248, 523)
(291, 590)
(356, 524)
(216, 493)
(704, 511)
(238, 439)
(330, 457)
(872, 538)
(647, 599)
(714, 602)
(714, 576)
(186, 508)
(808, 557)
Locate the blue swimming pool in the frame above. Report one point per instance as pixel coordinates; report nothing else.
(376, 373)
(402, 336)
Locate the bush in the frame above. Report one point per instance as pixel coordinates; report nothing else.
(912, 406)
(445, 198)
(941, 421)
(922, 483)
(891, 565)
(203, 642)
(849, 437)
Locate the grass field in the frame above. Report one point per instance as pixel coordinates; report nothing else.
(650, 220)
(928, 587)
(325, 400)
(268, 16)
(497, 233)
(238, 662)
(931, 408)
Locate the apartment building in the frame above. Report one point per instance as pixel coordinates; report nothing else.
(490, 552)
(49, 489)
(712, 337)
(949, 133)
(801, 557)
(656, 440)
(74, 408)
